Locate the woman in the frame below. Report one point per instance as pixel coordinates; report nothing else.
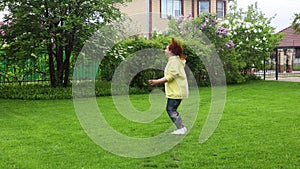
(176, 86)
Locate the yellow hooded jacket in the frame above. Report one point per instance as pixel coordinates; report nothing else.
(176, 86)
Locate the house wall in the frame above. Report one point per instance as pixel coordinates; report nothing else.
(134, 7)
(213, 6)
(137, 9)
(158, 24)
(139, 6)
(155, 6)
(187, 7)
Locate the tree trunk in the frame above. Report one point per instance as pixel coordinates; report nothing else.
(59, 65)
(50, 52)
(51, 67)
(67, 66)
(69, 49)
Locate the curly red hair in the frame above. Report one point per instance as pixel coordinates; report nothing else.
(176, 48)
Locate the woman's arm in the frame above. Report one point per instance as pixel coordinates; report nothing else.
(157, 81)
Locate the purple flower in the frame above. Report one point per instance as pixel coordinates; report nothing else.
(2, 32)
(229, 44)
(189, 15)
(214, 20)
(206, 20)
(1, 23)
(180, 18)
(221, 31)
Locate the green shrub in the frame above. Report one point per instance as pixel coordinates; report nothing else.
(136, 51)
(134, 47)
(45, 92)
(33, 92)
(123, 50)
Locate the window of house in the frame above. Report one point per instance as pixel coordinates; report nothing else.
(203, 6)
(171, 8)
(297, 53)
(221, 9)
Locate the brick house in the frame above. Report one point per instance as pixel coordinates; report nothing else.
(288, 51)
(157, 12)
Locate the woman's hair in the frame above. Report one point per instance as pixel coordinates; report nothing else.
(176, 48)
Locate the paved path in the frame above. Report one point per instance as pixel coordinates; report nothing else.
(286, 79)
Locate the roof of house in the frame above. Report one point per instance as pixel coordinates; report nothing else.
(291, 39)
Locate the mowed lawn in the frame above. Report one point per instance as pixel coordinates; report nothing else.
(259, 129)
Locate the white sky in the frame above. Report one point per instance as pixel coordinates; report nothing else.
(284, 10)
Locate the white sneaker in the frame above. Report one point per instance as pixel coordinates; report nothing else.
(180, 131)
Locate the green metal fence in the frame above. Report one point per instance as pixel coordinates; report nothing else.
(37, 69)
(29, 70)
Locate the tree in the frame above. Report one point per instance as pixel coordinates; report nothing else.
(296, 23)
(255, 38)
(59, 26)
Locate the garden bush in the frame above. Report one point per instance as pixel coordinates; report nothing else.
(33, 92)
(144, 51)
(45, 92)
(121, 51)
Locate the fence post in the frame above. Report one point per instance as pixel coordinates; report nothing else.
(276, 60)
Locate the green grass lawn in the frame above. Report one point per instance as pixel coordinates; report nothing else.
(260, 129)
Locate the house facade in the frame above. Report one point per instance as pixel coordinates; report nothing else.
(158, 12)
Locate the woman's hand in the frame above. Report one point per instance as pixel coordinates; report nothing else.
(152, 82)
(157, 81)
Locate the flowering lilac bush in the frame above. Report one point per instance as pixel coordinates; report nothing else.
(2, 32)
(207, 37)
(255, 39)
(243, 41)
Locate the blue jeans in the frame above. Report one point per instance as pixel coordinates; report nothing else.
(172, 106)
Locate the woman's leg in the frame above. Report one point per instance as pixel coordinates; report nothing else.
(172, 106)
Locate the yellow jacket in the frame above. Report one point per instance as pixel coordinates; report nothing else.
(176, 86)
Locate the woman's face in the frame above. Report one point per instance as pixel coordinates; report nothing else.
(168, 52)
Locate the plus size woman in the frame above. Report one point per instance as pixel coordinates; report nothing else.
(176, 86)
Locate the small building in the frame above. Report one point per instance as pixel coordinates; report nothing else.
(288, 50)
